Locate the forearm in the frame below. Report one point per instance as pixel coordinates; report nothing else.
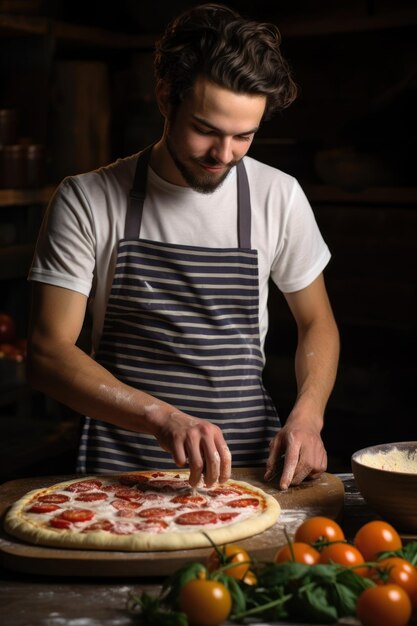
(70, 376)
(316, 363)
(73, 378)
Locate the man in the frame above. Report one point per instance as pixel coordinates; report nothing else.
(172, 250)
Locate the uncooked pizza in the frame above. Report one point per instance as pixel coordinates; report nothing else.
(140, 511)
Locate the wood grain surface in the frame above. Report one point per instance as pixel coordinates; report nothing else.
(323, 496)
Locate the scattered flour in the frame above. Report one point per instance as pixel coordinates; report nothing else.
(394, 460)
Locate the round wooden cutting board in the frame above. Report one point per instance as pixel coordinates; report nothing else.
(324, 496)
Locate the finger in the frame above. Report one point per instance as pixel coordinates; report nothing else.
(320, 468)
(211, 464)
(225, 461)
(178, 451)
(289, 469)
(195, 460)
(272, 462)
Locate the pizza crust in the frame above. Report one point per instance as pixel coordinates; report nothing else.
(27, 527)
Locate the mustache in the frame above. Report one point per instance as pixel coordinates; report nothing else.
(211, 162)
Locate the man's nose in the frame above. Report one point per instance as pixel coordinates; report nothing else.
(222, 150)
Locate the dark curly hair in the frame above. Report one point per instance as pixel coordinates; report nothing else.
(231, 51)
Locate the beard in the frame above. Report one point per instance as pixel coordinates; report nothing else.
(192, 172)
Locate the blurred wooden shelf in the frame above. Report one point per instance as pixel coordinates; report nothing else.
(12, 25)
(23, 197)
(86, 36)
(372, 195)
(346, 24)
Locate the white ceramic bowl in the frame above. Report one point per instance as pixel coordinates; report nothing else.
(386, 476)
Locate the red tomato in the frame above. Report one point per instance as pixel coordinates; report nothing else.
(322, 529)
(375, 537)
(231, 553)
(397, 571)
(205, 602)
(299, 553)
(386, 605)
(344, 554)
(7, 328)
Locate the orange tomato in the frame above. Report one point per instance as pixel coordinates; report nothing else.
(398, 571)
(318, 528)
(230, 553)
(386, 605)
(344, 554)
(375, 537)
(250, 578)
(205, 602)
(298, 552)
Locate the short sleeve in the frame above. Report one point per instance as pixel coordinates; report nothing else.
(302, 253)
(65, 250)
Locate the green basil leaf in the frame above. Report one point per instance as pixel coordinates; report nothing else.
(276, 574)
(311, 604)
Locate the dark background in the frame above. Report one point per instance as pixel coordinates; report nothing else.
(79, 77)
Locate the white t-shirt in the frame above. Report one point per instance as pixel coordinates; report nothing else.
(77, 244)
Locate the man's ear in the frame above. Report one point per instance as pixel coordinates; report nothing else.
(162, 93)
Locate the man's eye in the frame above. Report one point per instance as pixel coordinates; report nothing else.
(202, 131)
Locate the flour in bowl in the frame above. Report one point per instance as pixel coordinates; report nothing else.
(394, 460)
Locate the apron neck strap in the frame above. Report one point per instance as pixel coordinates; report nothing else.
(138, 192)
(137, 195)
(243, 207)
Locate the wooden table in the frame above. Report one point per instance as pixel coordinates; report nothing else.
(35, 600)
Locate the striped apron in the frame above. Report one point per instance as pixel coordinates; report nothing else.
(182, 324)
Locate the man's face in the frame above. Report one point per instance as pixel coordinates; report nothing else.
(209, 132)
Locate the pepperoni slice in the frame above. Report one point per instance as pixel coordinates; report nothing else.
(127, 493)
(244, 502)
(189, 499)
(167, 485)
(125, 504)
(154, 497)
(84, 485)
(227, 517)
(157, 513)
(126, 513)
(58, 522)
(92, 496)
(77, 515)
(124, 528)
(197, 518)
(103, 524)
(55, 498)
(43, 508)
(151, 525)
(224, 491)
(132, 479)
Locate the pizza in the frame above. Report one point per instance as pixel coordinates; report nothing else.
(140, 511)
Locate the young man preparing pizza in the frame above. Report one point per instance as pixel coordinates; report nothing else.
(171, 250)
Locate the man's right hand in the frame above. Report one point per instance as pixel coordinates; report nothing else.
(197, 441)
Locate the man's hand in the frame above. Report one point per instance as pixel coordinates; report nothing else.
(303, 453)
(197, 441)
